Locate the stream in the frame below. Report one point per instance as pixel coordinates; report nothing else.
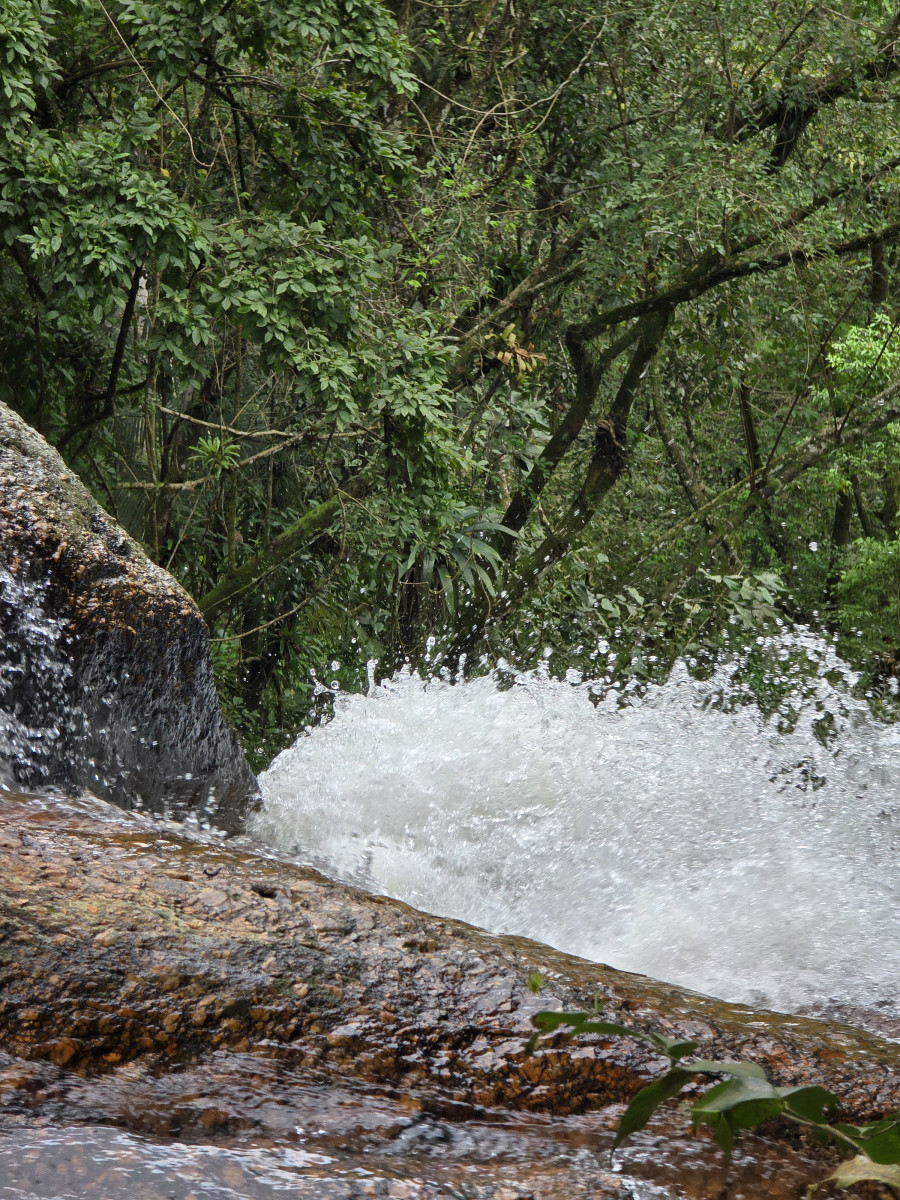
(672, 830)
(238, 1127)
(241, 1127)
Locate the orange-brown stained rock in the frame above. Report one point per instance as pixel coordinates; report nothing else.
(335, 979)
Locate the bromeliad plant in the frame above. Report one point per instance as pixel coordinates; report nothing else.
(742, 1099)
(461, 553)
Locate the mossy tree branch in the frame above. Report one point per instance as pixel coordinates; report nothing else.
(235, 583)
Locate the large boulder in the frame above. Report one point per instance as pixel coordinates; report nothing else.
(106, 680)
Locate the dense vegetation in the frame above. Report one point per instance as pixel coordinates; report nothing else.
(519, 322)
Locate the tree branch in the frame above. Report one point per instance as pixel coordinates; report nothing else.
(607, 463)
(278, 551)
(703, 281)
(552, 270)
(589, 374)
(109, 395)
(882, 410)
(790, 115)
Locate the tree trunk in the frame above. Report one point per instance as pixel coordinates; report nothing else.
(880, 281)
(607, 463)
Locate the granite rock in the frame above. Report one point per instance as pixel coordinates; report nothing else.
(106, 679)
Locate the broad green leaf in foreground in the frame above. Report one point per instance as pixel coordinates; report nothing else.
(879, 1141)
(648, 1099)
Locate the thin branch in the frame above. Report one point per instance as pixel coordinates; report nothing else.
(160, 98)
(551, 271)
(61, 86)
(700, 283)
(793, 463)
(109, 395)
(186, 485)
(278, 551)
(240, 433)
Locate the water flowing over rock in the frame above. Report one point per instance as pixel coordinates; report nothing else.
(676, 829)
(121, 939)
(106, 681)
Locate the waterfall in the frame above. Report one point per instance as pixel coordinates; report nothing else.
(35, 685)
(674, 829)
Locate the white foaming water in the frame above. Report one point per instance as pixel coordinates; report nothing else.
(681, 835)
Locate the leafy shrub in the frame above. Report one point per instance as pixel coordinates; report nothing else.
(869, 595)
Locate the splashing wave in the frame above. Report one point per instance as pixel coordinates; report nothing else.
(677, 832)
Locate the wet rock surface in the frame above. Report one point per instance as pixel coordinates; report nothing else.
(122, 941)
(251, 1127)
(182, 1017)
(107, 680)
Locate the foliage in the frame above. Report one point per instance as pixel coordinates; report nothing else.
(216, 454)
(867, 357)
(744, 1098)
(580, 323)
(869, 594)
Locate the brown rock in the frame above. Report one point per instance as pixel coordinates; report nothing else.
(454, 1019)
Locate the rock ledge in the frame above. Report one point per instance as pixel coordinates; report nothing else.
(121, 940)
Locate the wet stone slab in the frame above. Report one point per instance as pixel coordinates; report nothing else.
(159, 991)
(242, 1127)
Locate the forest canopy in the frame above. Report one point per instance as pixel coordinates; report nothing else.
(505, 323)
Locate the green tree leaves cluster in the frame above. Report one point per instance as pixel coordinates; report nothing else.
(377, 321)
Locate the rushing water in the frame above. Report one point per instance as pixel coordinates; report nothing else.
(677, 832)
(35, 683)
(240, 1127)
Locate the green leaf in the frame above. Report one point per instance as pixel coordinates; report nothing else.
(582, 1022)
(648, 1099)
(746, 1103)
(675, 1048)
(724, 1134)
(883, 1145)
(808, 1102)
(450, 592)
(485, 579)
(480, 547)
(740, 1070)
